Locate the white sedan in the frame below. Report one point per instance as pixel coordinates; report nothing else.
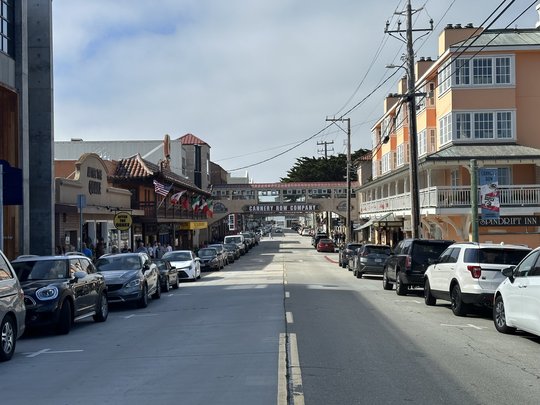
(517, 299)
(185, 261)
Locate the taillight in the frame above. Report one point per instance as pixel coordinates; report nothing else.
(476, 271)
(408, 262)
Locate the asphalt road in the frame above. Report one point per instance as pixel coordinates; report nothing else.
(217, 341)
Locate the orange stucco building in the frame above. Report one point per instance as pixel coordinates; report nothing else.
(481, 100)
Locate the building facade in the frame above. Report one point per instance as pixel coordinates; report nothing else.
(479, 106)
(197, 160)
(26, 124)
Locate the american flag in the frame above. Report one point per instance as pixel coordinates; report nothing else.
(161, 189)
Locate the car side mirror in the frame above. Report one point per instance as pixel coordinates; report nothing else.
(433, 261)
(509, 272)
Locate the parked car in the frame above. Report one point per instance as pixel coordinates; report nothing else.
(168, 275)
(12, 309)
(346, 252)
(221, 253)
(318, 236)
(185, 261)
(59, 290)
(238, 240)
(209, 259)
(369, 259)
(517, 299)
(469, 273)
(326, 245)
(130, 277)
(233, 251)
(406, 267)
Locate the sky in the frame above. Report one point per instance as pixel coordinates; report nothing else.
(254, 79)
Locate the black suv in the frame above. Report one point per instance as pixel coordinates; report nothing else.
(346, 252)
(59, 290)
(411, 258)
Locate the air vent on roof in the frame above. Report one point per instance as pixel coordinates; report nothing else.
(76, 139)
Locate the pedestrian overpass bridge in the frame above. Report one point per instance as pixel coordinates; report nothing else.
(271, 199)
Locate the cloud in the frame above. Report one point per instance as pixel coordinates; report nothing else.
(244, 76)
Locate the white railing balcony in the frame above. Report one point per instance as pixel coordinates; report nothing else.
(454, 197)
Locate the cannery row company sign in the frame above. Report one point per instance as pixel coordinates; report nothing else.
(523, 220)
(272, 208)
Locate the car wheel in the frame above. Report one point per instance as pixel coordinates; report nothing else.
(9, 338)
(157, 294)
(167, 287)
(429, 299)
(143, 301)
(177, 284)
(499, 317)
(102, 308)
(359, 274)
(385, 283)
(64, 320)
(456, 301)
(401, 288)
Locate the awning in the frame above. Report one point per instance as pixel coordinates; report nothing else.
(388, 219)
(365, 225)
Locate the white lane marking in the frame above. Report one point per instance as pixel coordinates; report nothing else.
(282, 371)
(287, 294)
(297, 393)
(289, 317)
(49, 351)
(134, 315)
(469, 325)
(415, 301)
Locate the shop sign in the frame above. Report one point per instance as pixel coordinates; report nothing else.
(523, 220)
(264, 208)
(123, 221)
(192, 225)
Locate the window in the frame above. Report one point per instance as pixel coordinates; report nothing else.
(445, 129)
(6, 27)
(400, 158)
(483, 125)
(504, 176)
(454, 177)
(502, 71)
(528, 264)
(432, 140)
(444, 78)
(463, 126)
(462, 72)
(386, 163)
(422, 143)
(504, 124)
(482, 71)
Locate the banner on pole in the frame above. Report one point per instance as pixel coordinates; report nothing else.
(489, 193)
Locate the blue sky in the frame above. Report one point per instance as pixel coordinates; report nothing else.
(252, 78)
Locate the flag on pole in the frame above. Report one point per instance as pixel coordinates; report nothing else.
(161, 189)
(203, 206)
(210, 208)
(175, 198)
(185, 202)
(195, 201)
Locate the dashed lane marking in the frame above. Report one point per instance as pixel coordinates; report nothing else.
(49, 351)
(289, 317)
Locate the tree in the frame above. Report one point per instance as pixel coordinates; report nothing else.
(321, 169)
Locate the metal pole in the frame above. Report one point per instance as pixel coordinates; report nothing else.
(415, 197)
(348, 231)
(474, 200)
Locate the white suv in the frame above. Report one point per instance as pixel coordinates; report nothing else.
(468, 274)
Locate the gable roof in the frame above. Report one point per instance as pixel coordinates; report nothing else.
(136, 167)
(190, 139)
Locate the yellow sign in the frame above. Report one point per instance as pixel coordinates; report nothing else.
(123, 220)
(189, 226)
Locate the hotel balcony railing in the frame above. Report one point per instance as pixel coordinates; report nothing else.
(168, 211)
(454, 197)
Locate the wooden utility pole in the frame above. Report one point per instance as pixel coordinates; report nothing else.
(325, 143)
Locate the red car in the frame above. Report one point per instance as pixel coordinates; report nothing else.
(326, 245)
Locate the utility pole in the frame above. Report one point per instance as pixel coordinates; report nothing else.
(325, 143)
(348, 132)
(410, 96)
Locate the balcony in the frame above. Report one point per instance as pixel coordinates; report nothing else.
(453, 197)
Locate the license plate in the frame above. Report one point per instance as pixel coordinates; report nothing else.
(378, 260)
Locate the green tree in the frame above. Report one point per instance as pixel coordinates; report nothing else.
(320, 169)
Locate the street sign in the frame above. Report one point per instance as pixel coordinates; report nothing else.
(123, 221)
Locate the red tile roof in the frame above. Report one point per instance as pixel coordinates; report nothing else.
(190, 139)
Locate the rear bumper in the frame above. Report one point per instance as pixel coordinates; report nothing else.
(414, 279)
(370, 269)
(483, 299)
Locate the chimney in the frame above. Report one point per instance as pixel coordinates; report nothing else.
(453, 34)
(422, 65)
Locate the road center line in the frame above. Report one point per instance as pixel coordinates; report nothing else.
(287, 294)
(289, 317)
(297, 389)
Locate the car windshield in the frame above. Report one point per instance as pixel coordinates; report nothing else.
(234, 239)
(207, 252)
(510, 257)
(382, 250)
(111, 263)
(217, 247)
(177, 256)
(229, 247)
(41, 270)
